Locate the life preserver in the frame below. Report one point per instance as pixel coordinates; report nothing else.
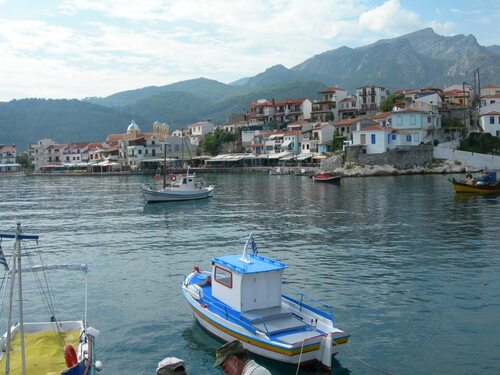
(70, 356)
(173, 178)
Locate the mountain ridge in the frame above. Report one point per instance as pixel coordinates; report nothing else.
(418, 59)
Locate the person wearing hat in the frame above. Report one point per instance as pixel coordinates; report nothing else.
(235, 360)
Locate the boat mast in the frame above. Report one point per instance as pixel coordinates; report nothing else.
(165, 164)
(16, 267)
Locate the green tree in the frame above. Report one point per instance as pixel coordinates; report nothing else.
(337, 142)
(388, 103)
(212, 143)
(24, 161)
(483, 143)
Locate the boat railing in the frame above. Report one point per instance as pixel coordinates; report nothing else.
(250, 317)
(230, 313)
(321, 308)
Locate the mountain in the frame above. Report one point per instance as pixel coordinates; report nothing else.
(29, 120)
(495, 49)
(419, 59)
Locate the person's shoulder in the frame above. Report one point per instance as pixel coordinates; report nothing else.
(253, 368)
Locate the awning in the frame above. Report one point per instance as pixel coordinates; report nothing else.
(287, 143)
(319, 157)
(279, 155)
(304, 157)
(289, 157)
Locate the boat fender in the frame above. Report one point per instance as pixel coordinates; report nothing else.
(70, 356)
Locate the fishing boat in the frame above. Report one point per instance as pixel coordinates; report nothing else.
(175, 187)
(326, 177)
(243, 298)
(486, 184)
(51, 347)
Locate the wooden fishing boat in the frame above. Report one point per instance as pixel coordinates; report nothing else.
(51, 347)
(241, 298)
(486, 184)
(327, 177)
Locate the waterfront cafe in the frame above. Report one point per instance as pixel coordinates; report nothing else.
(10, 168)
(231, 161)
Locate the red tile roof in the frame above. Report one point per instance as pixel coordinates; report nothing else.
(347, 121)
(377, 128)
(490, 113)
(7, 148)
(331, 89)
(289, 101)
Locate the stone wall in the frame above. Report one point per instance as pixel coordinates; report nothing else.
(403, 158)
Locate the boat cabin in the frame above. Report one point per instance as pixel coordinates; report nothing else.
(247, 282)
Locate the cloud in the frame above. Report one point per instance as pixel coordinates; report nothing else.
(114, 45)
(389, 16)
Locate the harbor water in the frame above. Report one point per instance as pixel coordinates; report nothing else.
(412, 270)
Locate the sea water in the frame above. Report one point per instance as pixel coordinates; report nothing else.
(412, 269)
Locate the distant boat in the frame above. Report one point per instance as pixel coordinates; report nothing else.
(52, 347)
(302, 172)
(486, 184)
(180, 187)
(241, 298)
(175, 187)
(277, 171)
(327, 177)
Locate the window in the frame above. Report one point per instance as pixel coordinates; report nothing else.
(223, 276)
(363, 139)
(400, 120)
(492, 120)
(374, 140)
(408, 138)
(413, 120)
(393, 137)
(153, 152)
(139, 152)
(416, 137)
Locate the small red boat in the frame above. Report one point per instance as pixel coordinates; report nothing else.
(327, 177)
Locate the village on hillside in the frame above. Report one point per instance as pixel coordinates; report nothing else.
(368, 126)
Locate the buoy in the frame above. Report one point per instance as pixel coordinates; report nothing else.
(70, 356)
(173, 178)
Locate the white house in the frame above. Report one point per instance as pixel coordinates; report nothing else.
(490, 122)
(37, 152)
(199, 130)
(370, 98)
(374, 138)
(424, 125)
(326, 108)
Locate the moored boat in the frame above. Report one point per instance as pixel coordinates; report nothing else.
(175, 187)
(327, 177)
(180, 187)
(241, 298)
(51, 347)
(486, 184)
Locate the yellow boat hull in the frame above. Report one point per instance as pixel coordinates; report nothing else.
(461, 187)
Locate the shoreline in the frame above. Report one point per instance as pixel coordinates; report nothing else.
(348, 170)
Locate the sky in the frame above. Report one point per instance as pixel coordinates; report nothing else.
(82, 48)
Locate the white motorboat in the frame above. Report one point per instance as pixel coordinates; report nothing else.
(178, 187)
(241, 298)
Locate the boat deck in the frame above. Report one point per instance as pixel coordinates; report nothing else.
(279, 323)
(44, 354)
